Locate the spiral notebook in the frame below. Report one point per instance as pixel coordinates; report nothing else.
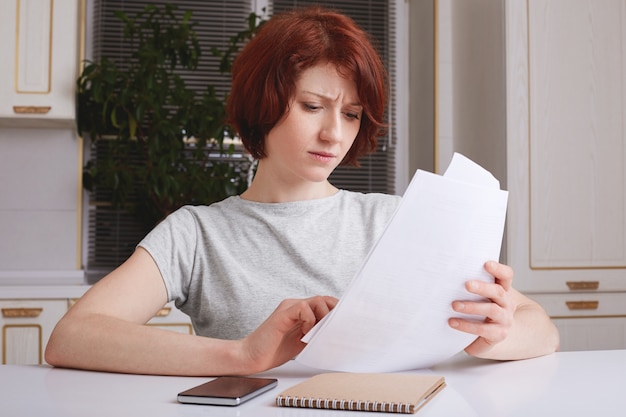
(389, 393)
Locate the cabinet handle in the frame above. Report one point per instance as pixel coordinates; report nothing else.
(164, 312)
(582, 305)
(21, 312)
(31, 109)
(583, 285)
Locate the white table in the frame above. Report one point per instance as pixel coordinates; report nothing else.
(568, 384)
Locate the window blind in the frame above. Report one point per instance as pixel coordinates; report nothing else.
(113, 234)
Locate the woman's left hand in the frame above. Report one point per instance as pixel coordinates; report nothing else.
(498, 309)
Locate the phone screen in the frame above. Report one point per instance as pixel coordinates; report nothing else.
(227, 390)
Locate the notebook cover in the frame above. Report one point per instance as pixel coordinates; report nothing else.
(397, 393)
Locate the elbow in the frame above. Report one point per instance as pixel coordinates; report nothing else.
(555, 340)
(52, 354)
(550, 341)
(56, 352)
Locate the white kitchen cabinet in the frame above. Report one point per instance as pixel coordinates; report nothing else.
(587, 321)
(535, 91)
(566, 159)
(40, 207)
(591, 333)
(41, 156)
(39, 65)
(26, 327)
(566, 140)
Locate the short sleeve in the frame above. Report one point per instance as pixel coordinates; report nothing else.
(172, 245)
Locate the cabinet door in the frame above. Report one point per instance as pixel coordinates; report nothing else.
(40, 207)
(26, 327)
(39, 63)
(566, 132)
(591, 333)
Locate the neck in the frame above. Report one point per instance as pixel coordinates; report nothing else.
(267, 189)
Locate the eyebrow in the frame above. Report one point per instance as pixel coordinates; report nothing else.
(355, 104)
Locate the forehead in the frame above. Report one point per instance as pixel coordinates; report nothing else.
(326, 79)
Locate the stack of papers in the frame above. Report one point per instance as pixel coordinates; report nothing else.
(394, 315)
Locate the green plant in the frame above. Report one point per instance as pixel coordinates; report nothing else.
(160, 136)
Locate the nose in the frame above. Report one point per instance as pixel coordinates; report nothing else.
(331, 129)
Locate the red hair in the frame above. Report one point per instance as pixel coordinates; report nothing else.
(265, 72)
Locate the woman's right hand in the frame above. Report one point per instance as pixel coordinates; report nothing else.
(277, 339)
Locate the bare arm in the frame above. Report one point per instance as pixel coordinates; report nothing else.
(105, 331)
(515, 328)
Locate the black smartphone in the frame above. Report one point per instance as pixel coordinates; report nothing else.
(227, 390)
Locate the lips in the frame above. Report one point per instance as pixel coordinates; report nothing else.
(323, 156)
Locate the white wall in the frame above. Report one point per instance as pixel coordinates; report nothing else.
(478, 83)
(39, 208)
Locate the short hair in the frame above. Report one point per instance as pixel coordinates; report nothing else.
(265, 72)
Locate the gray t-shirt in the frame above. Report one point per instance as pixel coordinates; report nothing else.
(230, 264)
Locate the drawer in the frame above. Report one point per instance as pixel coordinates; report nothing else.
(582, 304)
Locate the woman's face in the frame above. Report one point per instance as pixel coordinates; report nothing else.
(318, 128)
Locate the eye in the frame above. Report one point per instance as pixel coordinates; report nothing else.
(310, 107)
(353, 115)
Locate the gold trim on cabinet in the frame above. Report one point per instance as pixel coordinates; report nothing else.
(21, 312)
(582, 305)
(79, 204)
(31, 109)
(15, 326)
(582, 285)
(81, 142)
(164, 312)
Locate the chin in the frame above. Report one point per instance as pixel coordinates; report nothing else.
(318, 176)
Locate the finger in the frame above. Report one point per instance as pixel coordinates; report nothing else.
(321, 306)
(492, 332)
(331, 301)
(305, 315)
(491, 311)
(502, 273)
(305, 312)
(494, 292)
(313, 309)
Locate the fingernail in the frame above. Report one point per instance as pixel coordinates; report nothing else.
(454, 323)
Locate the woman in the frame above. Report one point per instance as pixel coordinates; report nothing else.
(255, 272)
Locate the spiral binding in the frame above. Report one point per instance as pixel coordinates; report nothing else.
(336, 404)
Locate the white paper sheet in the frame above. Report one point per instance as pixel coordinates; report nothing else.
(394, 315)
